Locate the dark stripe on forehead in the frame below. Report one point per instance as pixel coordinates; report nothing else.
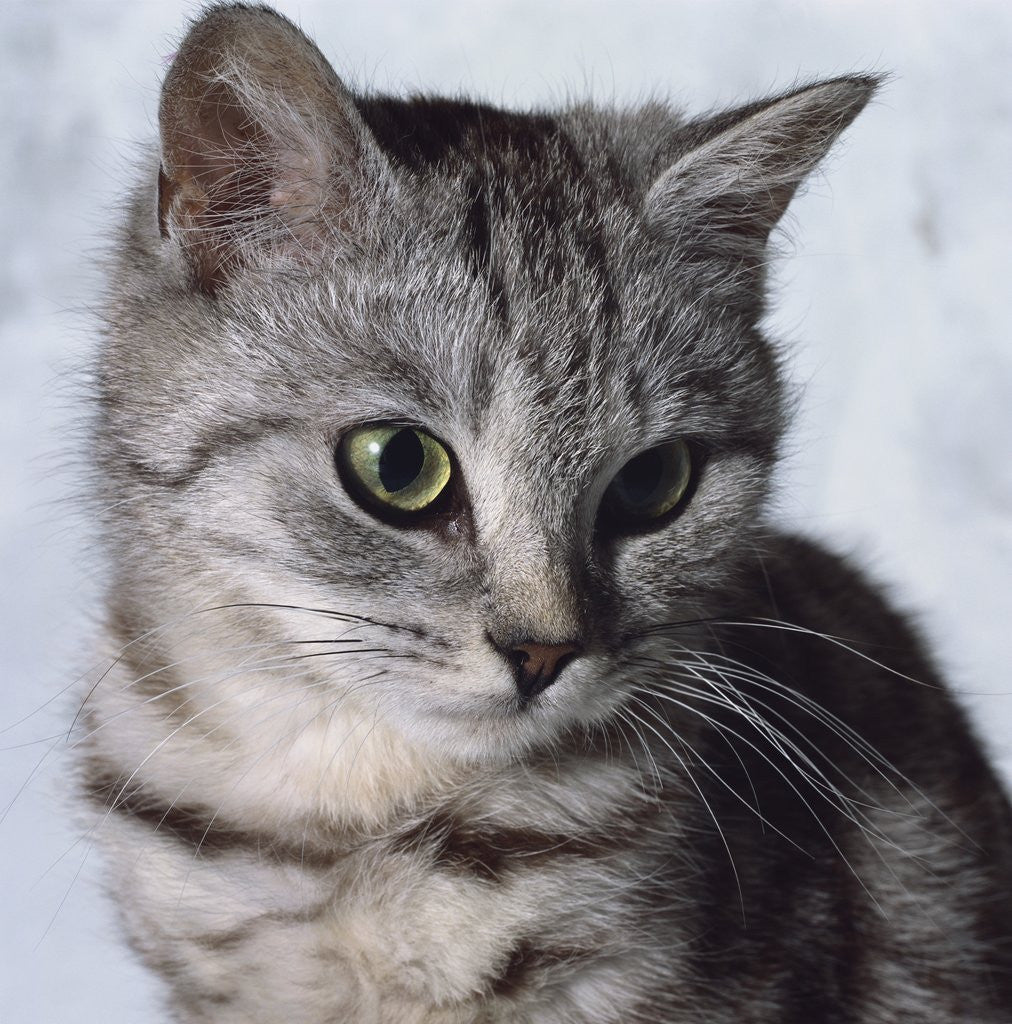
(555, 216)
(478, 246)
(423, 132)
(600, 289)
(519, 168)
(589, 237)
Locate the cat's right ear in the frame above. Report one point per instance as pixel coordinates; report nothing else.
(265, 158)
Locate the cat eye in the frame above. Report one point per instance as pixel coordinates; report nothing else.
(394, 468)
(649, 486)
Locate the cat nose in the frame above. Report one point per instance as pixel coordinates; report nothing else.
(537, 666)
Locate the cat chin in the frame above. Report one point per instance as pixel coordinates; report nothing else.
(498, 730)
(472, 737)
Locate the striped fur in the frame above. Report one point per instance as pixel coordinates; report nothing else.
(319, 796)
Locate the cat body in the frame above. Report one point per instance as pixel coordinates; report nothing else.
(578, 737)
(591, 883)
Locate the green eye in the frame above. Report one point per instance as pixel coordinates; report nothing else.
(651, 484)
(393, 467)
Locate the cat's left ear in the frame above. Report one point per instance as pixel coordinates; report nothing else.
(739, 170)
(265, 157)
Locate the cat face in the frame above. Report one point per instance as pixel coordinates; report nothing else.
(554, 318)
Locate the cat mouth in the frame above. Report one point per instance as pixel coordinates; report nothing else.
(498, 708)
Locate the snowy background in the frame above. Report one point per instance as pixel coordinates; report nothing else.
(894, 294)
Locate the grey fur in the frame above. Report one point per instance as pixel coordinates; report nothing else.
(318, 796)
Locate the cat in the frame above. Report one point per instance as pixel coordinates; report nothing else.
(457, 672)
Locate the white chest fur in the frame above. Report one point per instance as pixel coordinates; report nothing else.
(430, 926)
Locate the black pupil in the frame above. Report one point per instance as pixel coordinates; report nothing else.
(401, 460)
(640, 477)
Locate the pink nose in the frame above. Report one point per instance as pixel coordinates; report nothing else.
(537, 666)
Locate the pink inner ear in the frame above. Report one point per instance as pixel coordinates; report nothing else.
(231, 179)
(298, 184)
(262, 146)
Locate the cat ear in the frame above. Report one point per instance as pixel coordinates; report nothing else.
(263, 150)
(731, 187)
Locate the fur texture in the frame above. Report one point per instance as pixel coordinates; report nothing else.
(746, 798)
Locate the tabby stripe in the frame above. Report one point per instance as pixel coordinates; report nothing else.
(528, 960)
(195, 827)
(489, 852)
(477, 238)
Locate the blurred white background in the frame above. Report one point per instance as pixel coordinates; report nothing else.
(893, 295)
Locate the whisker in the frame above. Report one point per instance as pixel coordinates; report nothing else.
(877, 762)
(825, 830)
(702, 796)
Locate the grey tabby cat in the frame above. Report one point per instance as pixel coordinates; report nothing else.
(456, 674)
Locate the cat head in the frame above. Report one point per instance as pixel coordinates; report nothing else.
(486, 390)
